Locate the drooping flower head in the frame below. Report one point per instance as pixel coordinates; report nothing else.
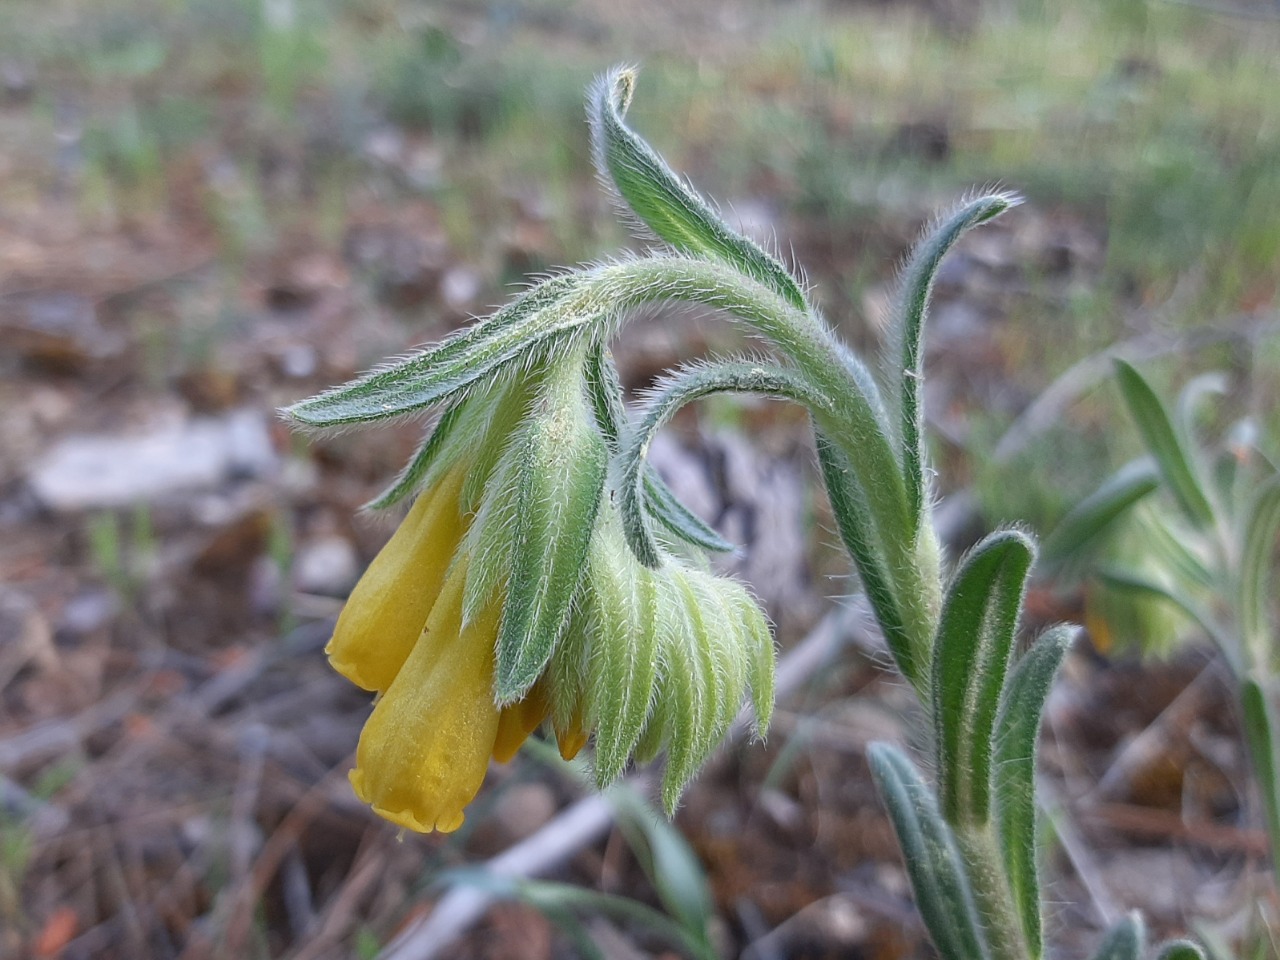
(508, 597)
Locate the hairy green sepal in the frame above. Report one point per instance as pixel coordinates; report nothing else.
(560, 484)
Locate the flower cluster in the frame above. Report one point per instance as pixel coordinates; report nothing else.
(508, 599)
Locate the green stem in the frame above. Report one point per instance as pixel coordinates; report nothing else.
(855, 420)
(990, 891)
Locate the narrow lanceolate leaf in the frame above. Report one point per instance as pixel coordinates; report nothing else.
(667, 859)
(1179, 950)
(411, 477)
(971, 657)
(1262, 522)
(605, 391)
(667, 206)
(458, 362)
(1017, 730)
(1193, 394)
(561, 483)
(853, 520)
(684, 386)
(929, 851)
(907, 331)
(1136, 582)
(1127, 940)
(1171, 450)
(1089, 520)
(1260, 726)
(664, 506)
(623, 658)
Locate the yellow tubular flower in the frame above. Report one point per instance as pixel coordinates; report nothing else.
(519, 720)
(382, 618)
(425, 749)
(571, 737)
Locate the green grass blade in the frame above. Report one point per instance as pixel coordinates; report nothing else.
(1260, 734)
(666, 205)
(1134, 581)
(668, 861)
(1164, 442)
(1017, 731)
(929, 852)
(971, 657)
(1094, 516)
(1257, 572)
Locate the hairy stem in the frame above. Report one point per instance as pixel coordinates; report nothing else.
(991, 892)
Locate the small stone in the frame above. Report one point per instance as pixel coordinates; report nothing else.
(525, 807)
(119, 470)
(89, 610)
(459, 287)
(298, 361)
(328, 566)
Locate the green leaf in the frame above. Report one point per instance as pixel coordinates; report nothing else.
(667, 206)
(1260, 725)
(853, 519)
(667, 860)
(682, 387)
(557, 899)
(1193, 394)
(1261, 523)
(428, 453)
(929, 851)
(1095, 515)
(561, 483)
(1136, 582)
(1170, 450)
(1127, 940)
(459, 361)
(1179, 950)
(663, 505)
(605, 391)
(907, 330)
(1017, 730)
(971, 657)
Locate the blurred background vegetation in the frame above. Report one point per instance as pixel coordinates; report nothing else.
(210, 208)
